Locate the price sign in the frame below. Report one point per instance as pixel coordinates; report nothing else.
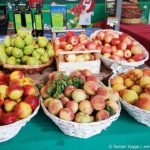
(110, 6)
(112, 21)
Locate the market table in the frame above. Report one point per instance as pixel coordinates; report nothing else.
(141, 32)
(41, 134)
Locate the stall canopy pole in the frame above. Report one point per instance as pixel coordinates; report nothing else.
(118, 13)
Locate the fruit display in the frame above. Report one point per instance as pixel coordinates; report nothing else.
(23, 49)
(119, 46)
(79, 97)
(18, 97)
(134, 87)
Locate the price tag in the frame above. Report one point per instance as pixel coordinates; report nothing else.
(112, 21)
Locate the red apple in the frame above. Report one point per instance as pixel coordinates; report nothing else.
(100, 35)
(62, 38)
(127, 54)
(9, 105)
(97, 42)
(91, 46)
(73, 40)
(1, 112)
(119, 53)
(15, 82)
(115, 41)
(70, 34)
(122, 46)
(29, 90)
(79, 47)
(2, 76)
(106, 50)
(33, 101)
(138, 57)
(23, 110)
(8, 118)
(15, 92)
(16, 75)
(123, 36)
(108, 38)
(127, 40)
(63, 45)
(115, 57)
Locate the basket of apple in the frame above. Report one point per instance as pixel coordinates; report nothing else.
(23, 52)
(18, 103)
(78, 104)
(134, 91)
(121, 48)
(76, 51)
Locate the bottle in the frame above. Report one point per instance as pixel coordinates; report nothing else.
(17, 17)
(38, 20)
(28, 16)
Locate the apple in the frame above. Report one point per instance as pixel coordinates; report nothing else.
(1, 99)
(74, 40)
(106, 55)
(119, 53)
(63, 44)
(3, 90)
(122, 46)
(71, 57)
(68, 47)
(23, 110)
(123, 36)
(79, 47)
(84, 40)
(115, 57)
(114, 49)
(127, 53)
(100, 36)
(136, 49)
(91, 46)
(33, 101)
(15, 92)
(138, 57)
(2, 76)
(15, 82)
(29, 90)
(8, 118)
(97, 42)
(115, 41)
(16, 75)
(127, 40)
(9, 105)
(27, 81)
(70, 34)
(87, 57)
(80, 58)
(108, 38)
(106, 50)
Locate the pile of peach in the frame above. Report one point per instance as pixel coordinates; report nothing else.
(119, 47)
(17, 97)
(84, 105)
(134, 87)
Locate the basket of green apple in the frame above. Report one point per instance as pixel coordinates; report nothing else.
(79, 104)
(19, 103)
(23, 52)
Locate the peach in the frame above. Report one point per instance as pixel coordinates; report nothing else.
(55, 106)
(64, 100)
(136, 50)
(66, 114)
(113, 96)
(144, 95)
(86, 107)
(147, 89)
(92, 78)
(90, 87)
(103, 92)
(43, 92)
(15, 92)
(68, 90)
(29, 90)
(86, 72)
(47, 101)
(79, 95)
(114, 105)
(3, 90)
(23, 110)
(1, 99)
(83, 118)
(130, 96)
(27, 81)
(117, 80)
(72, 105)
(146, 71)
(9, 105)
(128, 82)
(61, 96)
(98, 102)
(135, 74)
(123, 75)
(137, 89)
(118, 87)
(16, 75)
(145, 80)
(143, 103)
(102, 115)
(76, 73)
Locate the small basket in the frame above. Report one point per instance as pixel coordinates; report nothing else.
(30, 69)
(9, 131)
(140, 115)
(109, 62)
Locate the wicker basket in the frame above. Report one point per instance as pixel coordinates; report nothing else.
(131, 20)
(138, 114)
(9, 131)
(81, 130)
(109, 62)
(28, 69)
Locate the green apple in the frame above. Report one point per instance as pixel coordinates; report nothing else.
(11, 60)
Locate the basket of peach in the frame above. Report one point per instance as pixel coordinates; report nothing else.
(134, 91)
(78, 104)
(18, 103)
(121, 48)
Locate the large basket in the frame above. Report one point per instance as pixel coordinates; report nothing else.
(30, 69)
(80, 130)
(9, 131)
(109, 62)
(140, 115)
